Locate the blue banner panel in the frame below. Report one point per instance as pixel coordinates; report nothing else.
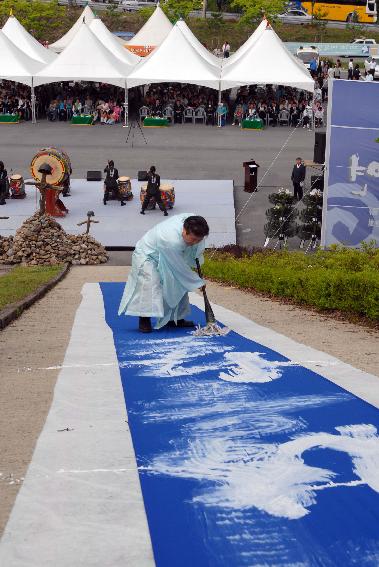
(351, 207)
(245, 457)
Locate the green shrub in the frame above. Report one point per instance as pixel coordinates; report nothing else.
(343, 279)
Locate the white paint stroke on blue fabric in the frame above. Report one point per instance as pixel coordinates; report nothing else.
(176, 359)
(272, 477)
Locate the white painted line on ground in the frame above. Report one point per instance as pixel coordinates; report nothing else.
(81, 503)
(357, 382)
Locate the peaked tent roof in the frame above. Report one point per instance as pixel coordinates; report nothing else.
(87, 15)
(203, 51)
(267, 61)
(175, 61)
(248, 43)
(110, 42)
(15, 65)
(154, 31)
(26, 42)
(85, 59)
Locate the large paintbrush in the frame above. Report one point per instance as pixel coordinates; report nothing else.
(212, 328)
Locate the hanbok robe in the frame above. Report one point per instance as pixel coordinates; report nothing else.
(162, 274)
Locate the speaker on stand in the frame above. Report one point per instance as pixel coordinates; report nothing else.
(94, 176)
(319, 147)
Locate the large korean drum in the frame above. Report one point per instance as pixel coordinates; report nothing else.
(59, 162)
(17, 186)
(124, 188)
(167, 194)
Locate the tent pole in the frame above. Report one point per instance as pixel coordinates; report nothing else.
(33, 101)
(126, 107)
(219, 106)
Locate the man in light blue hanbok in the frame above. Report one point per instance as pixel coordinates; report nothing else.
(162, 273)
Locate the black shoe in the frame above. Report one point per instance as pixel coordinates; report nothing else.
(123, 204)
(3, 202)
(181, 323)
(165, 214)
(142, 212)
(145, 325)
(104, 201)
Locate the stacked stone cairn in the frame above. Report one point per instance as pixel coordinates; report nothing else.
(42, 241)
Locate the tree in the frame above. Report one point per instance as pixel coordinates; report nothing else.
(176, 9)
(39, 18)
(254, 10)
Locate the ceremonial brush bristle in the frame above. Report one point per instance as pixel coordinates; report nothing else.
(211, 329)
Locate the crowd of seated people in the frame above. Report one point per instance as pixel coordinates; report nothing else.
(179, 102)
(15, 100)
(276, 106)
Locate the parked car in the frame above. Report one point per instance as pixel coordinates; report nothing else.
(368, 62)
(364, 41)
(129, 5)
(295, 16)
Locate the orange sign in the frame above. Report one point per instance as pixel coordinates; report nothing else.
(141, 50)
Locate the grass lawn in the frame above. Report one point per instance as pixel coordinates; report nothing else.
(22, 281)
(344, 280)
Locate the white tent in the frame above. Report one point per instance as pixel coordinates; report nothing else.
(85, 59)
(267, 61)
(247, 45)
(110, 42)
(15, 65)
(87, 16)
(203, 51)
(152, 33)
(175, 61)
(26, 42)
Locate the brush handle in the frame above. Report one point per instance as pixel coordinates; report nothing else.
(209, 315)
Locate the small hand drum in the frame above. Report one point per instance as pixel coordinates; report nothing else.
(125, 188)
(17, 186)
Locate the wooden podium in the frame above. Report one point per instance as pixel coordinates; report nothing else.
(251, 176)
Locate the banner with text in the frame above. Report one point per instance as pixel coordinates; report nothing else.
(351, 200)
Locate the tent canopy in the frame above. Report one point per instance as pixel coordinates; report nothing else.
(266, 61)
(247, 45)
(87, 16)
(203, 51)
(175, 61)
(85, 59)
(110, 42)
(15, 65)
(26, 42)
(154, 31)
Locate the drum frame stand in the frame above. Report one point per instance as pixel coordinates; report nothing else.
(132, 128)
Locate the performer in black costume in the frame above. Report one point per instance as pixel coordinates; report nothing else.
(3, 183)
(110, 182)
(153, 190)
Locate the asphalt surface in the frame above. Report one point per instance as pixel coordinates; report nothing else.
(179, 152)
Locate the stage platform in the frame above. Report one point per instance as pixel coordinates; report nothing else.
(124, 226)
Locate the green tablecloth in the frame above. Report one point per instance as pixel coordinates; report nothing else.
(10, 118)
(86, 120)
(256, 124)
(155, 122)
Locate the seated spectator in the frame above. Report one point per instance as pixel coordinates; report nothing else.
(238, 115)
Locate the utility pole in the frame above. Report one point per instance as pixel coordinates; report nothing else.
(205, 6)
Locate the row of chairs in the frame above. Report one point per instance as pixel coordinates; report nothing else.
(189, 114)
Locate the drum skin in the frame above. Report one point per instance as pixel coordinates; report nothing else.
(58, 161)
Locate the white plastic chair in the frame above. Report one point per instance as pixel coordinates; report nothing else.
(143, 112)
(189, 114)
(284, 117)
(199, 114)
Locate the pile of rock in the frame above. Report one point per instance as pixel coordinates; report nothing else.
(41, 240)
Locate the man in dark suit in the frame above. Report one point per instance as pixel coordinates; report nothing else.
(110, 182)
(153, 191)
(298, 177)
